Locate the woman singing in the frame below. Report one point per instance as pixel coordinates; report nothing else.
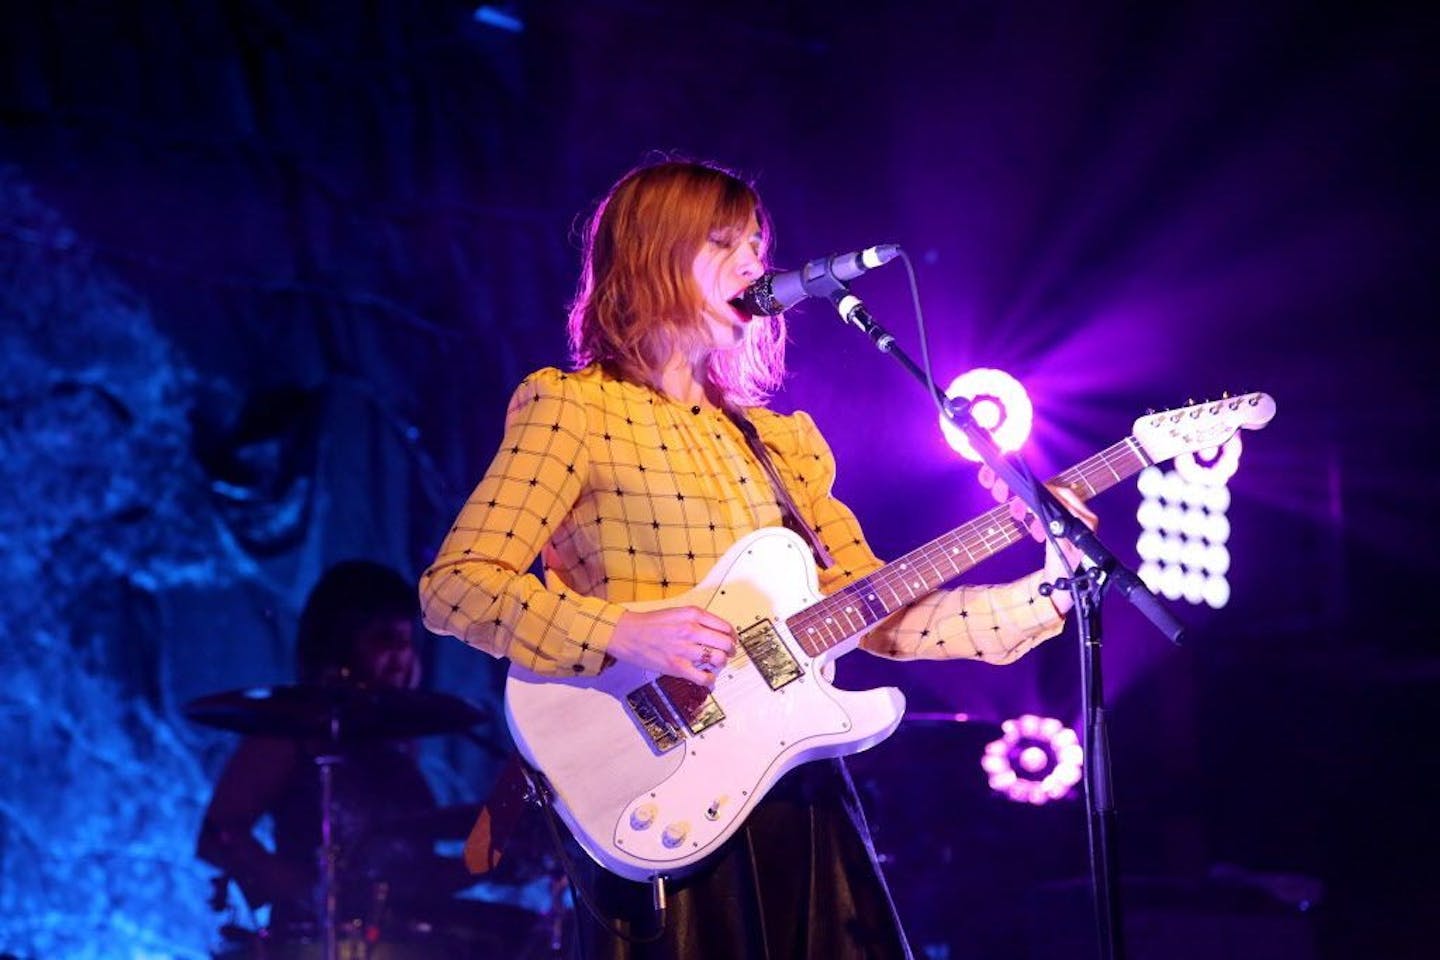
(630, 475)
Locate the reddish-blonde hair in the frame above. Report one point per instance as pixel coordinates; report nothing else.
(637, 300)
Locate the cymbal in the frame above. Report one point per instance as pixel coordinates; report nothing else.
(334, 712)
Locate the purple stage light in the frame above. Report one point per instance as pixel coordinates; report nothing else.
(998, 403)
(1036, 760)
(1184, 528)
(1211, 467)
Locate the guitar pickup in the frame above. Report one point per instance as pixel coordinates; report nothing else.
(648, 706)
(769, 654)
(693, 704)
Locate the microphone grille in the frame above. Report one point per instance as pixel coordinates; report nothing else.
(759, 298)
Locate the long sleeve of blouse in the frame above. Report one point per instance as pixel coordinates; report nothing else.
(627, 496)
(994, 623)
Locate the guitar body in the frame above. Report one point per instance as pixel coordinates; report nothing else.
(642, 805)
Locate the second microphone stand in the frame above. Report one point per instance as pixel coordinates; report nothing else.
(1087, 587)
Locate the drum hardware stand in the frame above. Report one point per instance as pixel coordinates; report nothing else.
(329, 855)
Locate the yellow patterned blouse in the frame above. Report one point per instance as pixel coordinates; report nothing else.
(628, 495)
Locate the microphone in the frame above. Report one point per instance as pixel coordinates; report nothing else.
(775, 292)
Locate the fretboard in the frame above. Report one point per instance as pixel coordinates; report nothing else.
(859, 606)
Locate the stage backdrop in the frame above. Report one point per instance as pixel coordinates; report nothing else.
(269, 272)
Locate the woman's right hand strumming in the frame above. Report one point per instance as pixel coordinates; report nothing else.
(686, 642)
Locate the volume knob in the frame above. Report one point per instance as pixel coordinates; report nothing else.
(643, 816)
(675, 833)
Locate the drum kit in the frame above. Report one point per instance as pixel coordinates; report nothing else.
(490, 923)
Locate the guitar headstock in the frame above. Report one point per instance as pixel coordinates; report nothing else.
(1169, 433)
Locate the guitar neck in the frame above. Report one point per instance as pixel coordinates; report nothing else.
(864, 603)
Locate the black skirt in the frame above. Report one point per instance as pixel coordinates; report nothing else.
(799, 881)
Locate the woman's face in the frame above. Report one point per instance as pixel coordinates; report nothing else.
(384, 654)
(728, 262)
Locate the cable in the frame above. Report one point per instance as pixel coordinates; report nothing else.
(542, 795)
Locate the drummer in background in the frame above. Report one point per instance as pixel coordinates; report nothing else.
(356, 628)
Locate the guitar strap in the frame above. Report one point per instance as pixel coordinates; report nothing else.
(790, 513)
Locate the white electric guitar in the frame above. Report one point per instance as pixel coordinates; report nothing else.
(652, 773)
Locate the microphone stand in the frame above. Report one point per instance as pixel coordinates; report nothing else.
(1087, 586)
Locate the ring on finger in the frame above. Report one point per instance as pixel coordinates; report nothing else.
(704, 660)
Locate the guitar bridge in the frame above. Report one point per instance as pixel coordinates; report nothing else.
(769, 654)
(648, 706)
